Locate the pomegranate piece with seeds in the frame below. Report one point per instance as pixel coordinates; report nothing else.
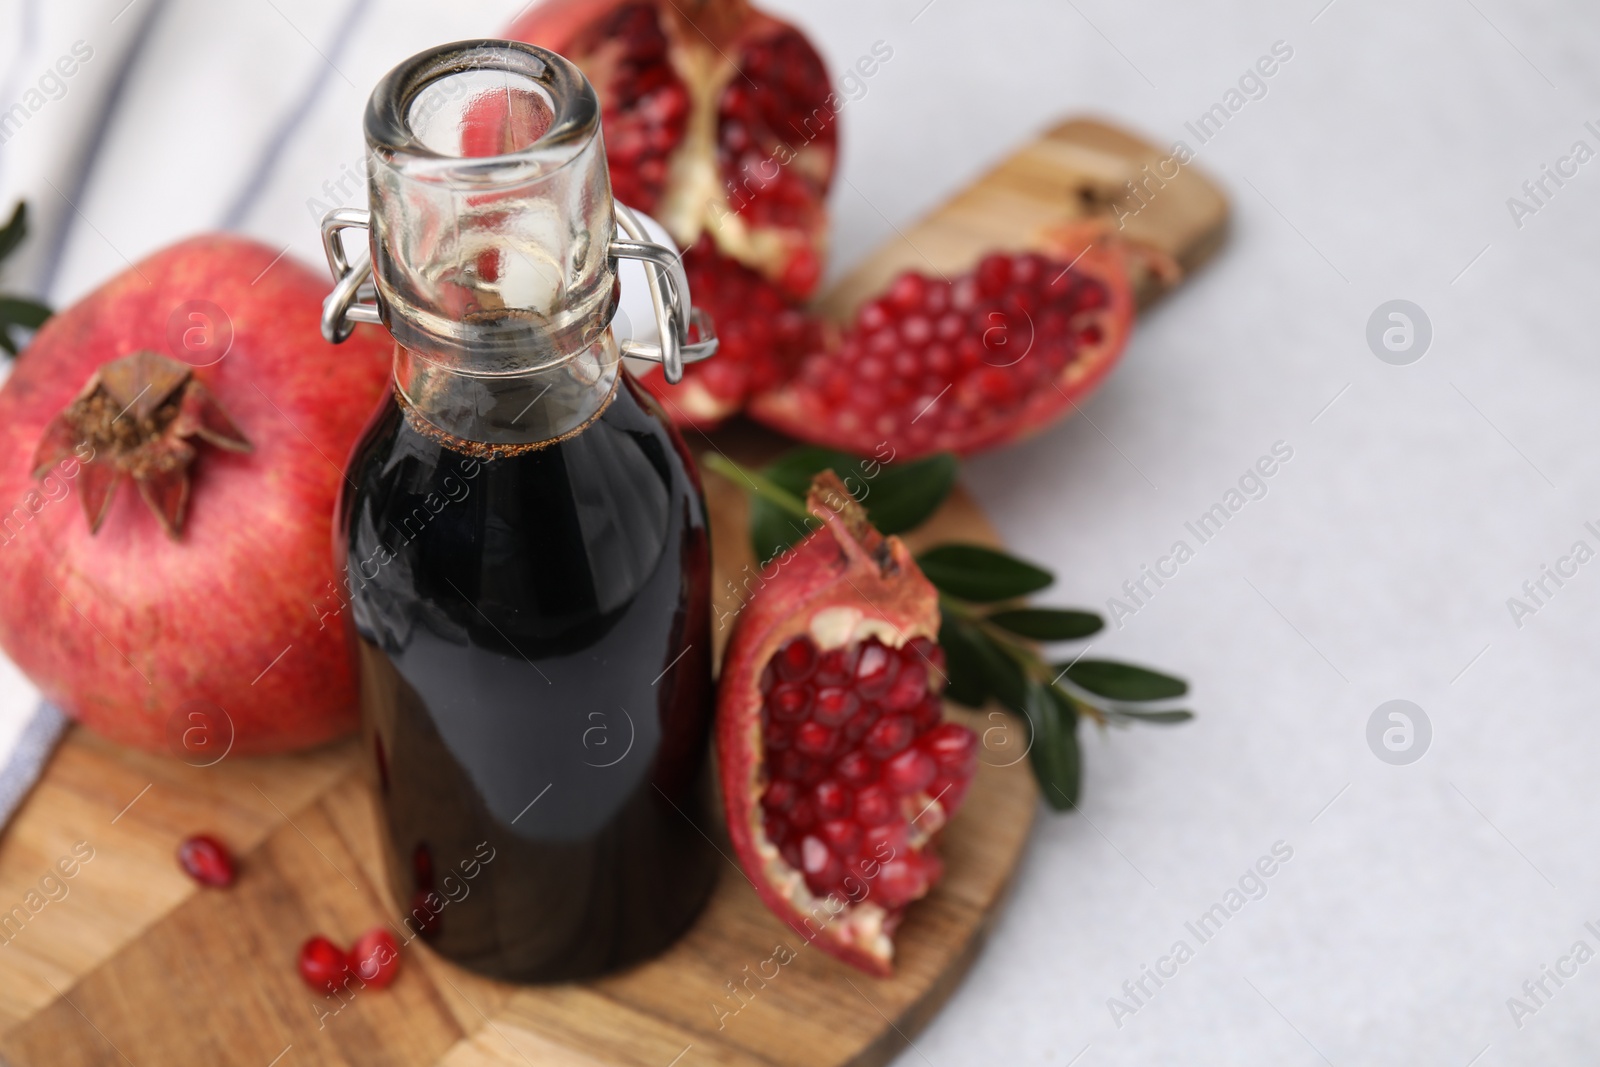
(762, 337)
(838, 769)
(970, 363)
(206, 860)
(719, 121)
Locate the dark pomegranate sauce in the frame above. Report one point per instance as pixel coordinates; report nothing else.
(533, 629)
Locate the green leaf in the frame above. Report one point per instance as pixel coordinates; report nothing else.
(6, 342)
(794, 469)
(1057, 761)
(1007, 681)
(20, 311)
(1123, 681)
(898, 496)
(979, 668)
(12, 233)
(905, 495)
(1048, 624)
(964, 664)
(1157, 718)
(980, 574)
(773, 529)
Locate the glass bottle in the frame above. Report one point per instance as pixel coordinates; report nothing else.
(523, 533)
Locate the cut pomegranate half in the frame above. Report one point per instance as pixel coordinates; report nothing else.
(838, 769)
(720, 122)
(966, 364)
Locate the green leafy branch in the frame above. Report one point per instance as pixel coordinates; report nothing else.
(989, 638)
(17, 313)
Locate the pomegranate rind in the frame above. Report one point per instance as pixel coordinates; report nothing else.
(844, 583)
(799, 411)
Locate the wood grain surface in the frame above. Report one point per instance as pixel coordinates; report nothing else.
(128, 962)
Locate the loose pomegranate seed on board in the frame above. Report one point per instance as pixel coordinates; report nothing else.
(375, 957)
(206, 860)
(323, 965)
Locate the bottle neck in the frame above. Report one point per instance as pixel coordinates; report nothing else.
(491, 226)
(482, 412)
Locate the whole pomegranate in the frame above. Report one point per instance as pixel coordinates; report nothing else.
(193, 409)
(720, 121)
(967, 363)
(838, 769)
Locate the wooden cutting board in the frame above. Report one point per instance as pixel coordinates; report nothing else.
(128, 962)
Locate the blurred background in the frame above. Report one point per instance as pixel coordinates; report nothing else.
(1381, 163)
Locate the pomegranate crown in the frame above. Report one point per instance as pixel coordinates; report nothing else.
(137, 417)
(847, 520)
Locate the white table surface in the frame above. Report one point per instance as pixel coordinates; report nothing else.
(1377, 166)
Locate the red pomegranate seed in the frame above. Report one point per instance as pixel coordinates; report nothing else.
(928, 713)
(905, 878)
(837, 666)
(818, 861)
(886, 841)
(875, 670)
(889, 735)
(323, 965)
(875, 805)
(815, 739)
(780, 795)
(206, 860)
(909, 772)
(916, 331)
(993, 275)
(780, 735)
(859, 724)
(801, 815)
(790, 703)
(907, 292)
(951, 745)
(796, 659)
(375, 957)
(857, 768)
(835, 704)
(831, 800)
(842, 835)
(909, 687)
(876, 315)
(800, 769)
